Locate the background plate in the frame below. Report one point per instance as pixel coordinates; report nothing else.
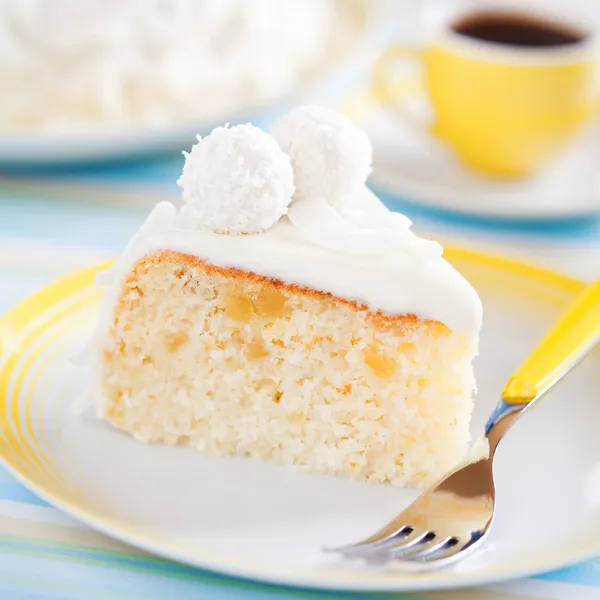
(264, 522)
(353, 51)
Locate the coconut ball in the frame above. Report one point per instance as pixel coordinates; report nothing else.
(331, 156)
(236, 180)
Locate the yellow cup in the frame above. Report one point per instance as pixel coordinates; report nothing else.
(504, 109)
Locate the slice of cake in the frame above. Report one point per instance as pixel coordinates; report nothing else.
(285, 315)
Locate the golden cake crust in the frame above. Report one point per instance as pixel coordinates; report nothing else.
(403, 322)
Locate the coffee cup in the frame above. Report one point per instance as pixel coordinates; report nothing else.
(508, 87)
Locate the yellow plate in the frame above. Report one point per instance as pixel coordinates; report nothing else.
(264, 522)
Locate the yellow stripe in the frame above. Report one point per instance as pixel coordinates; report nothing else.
(48, 453)
(21, 315)
(12, 325)
(42, 391)
(35, 467)
(17, 321)
(28, 394)
(515, 267)
(8, 375)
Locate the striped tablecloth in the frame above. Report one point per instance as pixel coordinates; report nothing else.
(53, 228)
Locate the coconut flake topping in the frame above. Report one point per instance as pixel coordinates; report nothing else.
(330, 155)
(236, 180)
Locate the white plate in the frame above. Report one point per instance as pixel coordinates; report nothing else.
(268, 523)
(416, 167)
(349, 58)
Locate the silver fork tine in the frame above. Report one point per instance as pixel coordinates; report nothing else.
(436, 555)
(445, 553)
(441, 558)
(395, 529)
(420, 541)
(403, 546)
(428, 550)
(377, 545)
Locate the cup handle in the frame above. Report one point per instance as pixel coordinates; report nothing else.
(392, 90)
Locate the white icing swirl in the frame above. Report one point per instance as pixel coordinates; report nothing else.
(357, 231)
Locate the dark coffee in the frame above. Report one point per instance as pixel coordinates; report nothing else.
(517, 30)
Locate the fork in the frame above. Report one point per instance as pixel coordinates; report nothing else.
(452, 518)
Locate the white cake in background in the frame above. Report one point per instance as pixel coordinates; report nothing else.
(266, 320)
(70, 65)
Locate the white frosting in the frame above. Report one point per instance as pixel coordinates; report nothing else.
(163, 215)
(357, 231)
(401, 276)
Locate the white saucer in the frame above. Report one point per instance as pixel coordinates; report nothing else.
(418, 168)
(264, 522)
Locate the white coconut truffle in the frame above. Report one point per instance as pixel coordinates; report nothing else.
(236, 180)
(331, 156)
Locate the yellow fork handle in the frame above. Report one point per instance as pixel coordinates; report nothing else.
(575, 333)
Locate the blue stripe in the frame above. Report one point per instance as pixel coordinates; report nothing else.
(11, 489)
(67, 222)
(83, 580)
(157, 170)
(118, 559)
(8, 591)
(559, 227)
(17, 493)
(585, 573)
